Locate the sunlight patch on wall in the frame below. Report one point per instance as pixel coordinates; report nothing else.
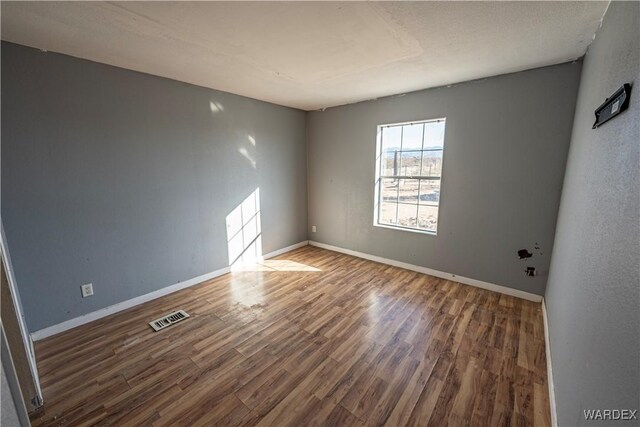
(244, 233)
(244, 241)
(216, 107)
(247, 156)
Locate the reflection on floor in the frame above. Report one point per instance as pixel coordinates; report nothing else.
(311, 338)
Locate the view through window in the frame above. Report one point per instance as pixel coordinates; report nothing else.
(408, 174)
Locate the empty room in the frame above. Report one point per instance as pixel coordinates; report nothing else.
(320, 213)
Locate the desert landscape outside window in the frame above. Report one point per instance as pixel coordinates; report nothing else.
(408, 174)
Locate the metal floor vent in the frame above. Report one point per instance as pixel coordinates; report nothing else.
(168, 320)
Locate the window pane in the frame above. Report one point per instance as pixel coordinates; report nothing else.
(391, 138)
(408, 191)
(429, 192)
(414, 152)
(407, 215)
(389, 190)
(434, 135)
(428, 218)
(432, 163)
(387, 214)
(410, 163)
(412, 137)
(390, 162)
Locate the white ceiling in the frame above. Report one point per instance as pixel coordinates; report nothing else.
(310, 55)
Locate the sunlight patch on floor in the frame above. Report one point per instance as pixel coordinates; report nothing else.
(276, 265)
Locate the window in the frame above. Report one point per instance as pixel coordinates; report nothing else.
(408, 172)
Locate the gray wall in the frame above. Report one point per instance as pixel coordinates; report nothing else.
(505, 149)
(124, 179)
(593, 295)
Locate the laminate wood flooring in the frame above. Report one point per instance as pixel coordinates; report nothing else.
(312, 337)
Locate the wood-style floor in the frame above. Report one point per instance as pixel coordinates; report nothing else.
(312, 338)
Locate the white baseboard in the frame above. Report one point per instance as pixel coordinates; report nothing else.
(547, 352)
(449, 276)
(115, 308)
(107, 311)
(285, 250)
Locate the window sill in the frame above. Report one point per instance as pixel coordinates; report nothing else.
(410, 230)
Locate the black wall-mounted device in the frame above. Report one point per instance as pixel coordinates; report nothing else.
(612, 106)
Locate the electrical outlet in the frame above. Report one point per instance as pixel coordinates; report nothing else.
(313, 228)
(87, 290)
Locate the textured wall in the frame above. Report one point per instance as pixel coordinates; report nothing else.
(124, 180)
(505, 149)
(593, 295)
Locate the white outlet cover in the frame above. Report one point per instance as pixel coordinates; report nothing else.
(313, 228)
(87, 290)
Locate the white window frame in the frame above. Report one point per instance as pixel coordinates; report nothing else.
(379, 177)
